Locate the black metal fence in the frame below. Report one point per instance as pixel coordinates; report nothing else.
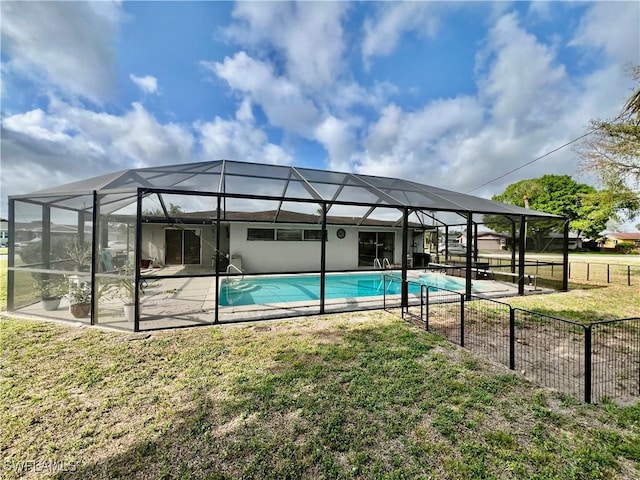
(597, 272)
(604, 273)
(615, 358)
(551, 352)
(590, 362)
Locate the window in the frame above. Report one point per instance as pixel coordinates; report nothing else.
(288, 234)
(284, 234)
(260, 234)
(313, 235)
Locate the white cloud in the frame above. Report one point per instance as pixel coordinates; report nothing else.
(418, 145)
(69, 44)
(614, 27)
(339, 140)
(525, 82)
(309, 34)
(281, 99)
(147, 84)
(526, 106)
(66, 143)
(38, 125)
(239, 140)
(382, 34)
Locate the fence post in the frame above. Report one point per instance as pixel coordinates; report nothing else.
(426, 318)
(587, 364)
(569, 270)
(401, 302)
(607, 273)
(588, 271)
(552, 268)
(512, 338)
(537, 261)
(384, 292)
(462, 320)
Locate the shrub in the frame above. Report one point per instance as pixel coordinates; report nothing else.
(626, 247)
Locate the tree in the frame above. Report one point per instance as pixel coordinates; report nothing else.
(158, 212)
(612, 152)
(632, 107)
(559, 195)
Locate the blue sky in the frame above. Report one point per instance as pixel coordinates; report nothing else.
(451, 94)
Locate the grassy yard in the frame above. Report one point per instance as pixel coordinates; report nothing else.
(585, 303)
(361, 395)
(348, 396)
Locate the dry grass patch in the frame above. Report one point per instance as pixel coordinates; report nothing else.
(585, 303)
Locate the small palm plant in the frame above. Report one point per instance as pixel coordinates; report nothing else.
(51, 290)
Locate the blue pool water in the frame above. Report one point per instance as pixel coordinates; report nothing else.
(285, 289)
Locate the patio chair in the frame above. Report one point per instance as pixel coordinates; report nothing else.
(107, 263)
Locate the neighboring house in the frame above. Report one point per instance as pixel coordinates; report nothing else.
(554, 241)
(494, 242)
(487, 241)
(610, 240)
(490, 241)
(4, 232)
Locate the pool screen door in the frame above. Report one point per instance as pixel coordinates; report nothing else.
(372, 245)
(182, 247)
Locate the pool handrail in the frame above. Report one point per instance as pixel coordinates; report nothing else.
(378, 265)
(231, 266)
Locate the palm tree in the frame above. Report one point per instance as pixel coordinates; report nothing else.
(632, 107)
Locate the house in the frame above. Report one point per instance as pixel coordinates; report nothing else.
(200, 218)
(611, 240)
(491, 241)
(274, 241)
(4, 232)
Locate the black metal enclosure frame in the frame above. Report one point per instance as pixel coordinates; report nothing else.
(222, 182)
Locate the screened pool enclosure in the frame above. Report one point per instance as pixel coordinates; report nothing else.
(225, 241)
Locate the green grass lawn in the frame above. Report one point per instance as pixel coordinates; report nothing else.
(358, 395)
(3, 284)
(348, 396)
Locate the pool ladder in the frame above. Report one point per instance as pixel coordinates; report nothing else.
(385, 264)
(235, 281)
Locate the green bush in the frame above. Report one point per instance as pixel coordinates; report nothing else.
(626, 247)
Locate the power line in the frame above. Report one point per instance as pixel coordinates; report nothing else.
(533, 161)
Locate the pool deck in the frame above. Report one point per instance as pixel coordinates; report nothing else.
(191, 301)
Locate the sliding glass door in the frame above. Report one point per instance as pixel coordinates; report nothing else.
(182, 247)
(372, 245)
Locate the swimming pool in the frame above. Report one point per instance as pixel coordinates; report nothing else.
(286, 289)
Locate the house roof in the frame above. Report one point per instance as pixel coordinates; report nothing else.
(234, 179)
(491, 235)
(278, 216)
(624, 235)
